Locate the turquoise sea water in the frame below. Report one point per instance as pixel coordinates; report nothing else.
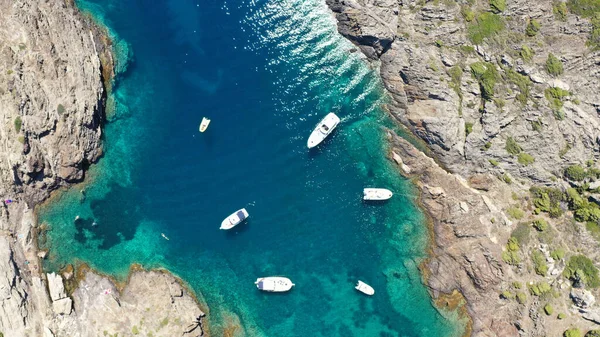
(265, 72)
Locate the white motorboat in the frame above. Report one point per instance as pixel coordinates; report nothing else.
(274, 284)
(377, 194)
(234, 219)
(322, 130)
(364, 288)
(204, 124)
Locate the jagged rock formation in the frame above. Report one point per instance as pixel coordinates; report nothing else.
(55, 65)
(473, 81)
(466, 256)
(152, 303)
(52, 96)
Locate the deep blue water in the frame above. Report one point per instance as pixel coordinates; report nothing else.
(265, 72)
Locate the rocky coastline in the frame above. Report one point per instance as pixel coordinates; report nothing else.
(505, 95)
(56, 68)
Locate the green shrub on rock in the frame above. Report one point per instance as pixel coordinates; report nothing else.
(497, 6)
(526, 53)
(562, 315)
(539, 263)
(590, 212)
(585, 8)
(485, 25)
(559, 9)
(18, 124)
(558, 254)
(525, 159)
(554, 66)
(573, 332)
(515, 213)
(556, 97)
(512, 146)
(522, 82)
(594, 38)
(540, 224)
(548, 309)
(507, 295)
(540, 288)
(547, 199)
(574, 199)
(511, 255)
(575, 172)
(487, 76)
(468, 128)
(581, 269)
(467, 13)
(521, 297)
(533, 27)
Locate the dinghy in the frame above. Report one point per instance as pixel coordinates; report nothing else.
(204, 124)
(364, 288)
(274, 284)
(234, 219)
(322, 130)
(376, 194)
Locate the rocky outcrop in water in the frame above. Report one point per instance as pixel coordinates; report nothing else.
(506, 95)
(55, 67)
(152, 303)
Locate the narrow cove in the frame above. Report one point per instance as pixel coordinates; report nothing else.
(265, 72)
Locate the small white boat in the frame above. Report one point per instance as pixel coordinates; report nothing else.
(164, 236)
(364, 288)
(376, 194)
(234, 219)
(274, 284)
(204, 124)
(322, 130)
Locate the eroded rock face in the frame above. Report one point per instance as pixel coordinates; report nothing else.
(369, 23)
(464, 256)
(417, 71)
(51, 102)
(151, 303)
(427, 71)
(14, 309)
(54, 65)
(51, 94)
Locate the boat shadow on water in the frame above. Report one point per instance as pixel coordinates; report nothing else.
(237, 230)
(275, 293)
(373, 202)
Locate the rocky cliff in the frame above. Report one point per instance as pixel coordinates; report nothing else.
(506, 94)
(55, 66)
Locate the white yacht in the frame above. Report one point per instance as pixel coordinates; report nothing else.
(322, 130)
(364, 288)
(204, 124)
(376, 194)
(274, 284)
(234, 219)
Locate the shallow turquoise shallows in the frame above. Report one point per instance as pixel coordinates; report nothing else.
(264, 72)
